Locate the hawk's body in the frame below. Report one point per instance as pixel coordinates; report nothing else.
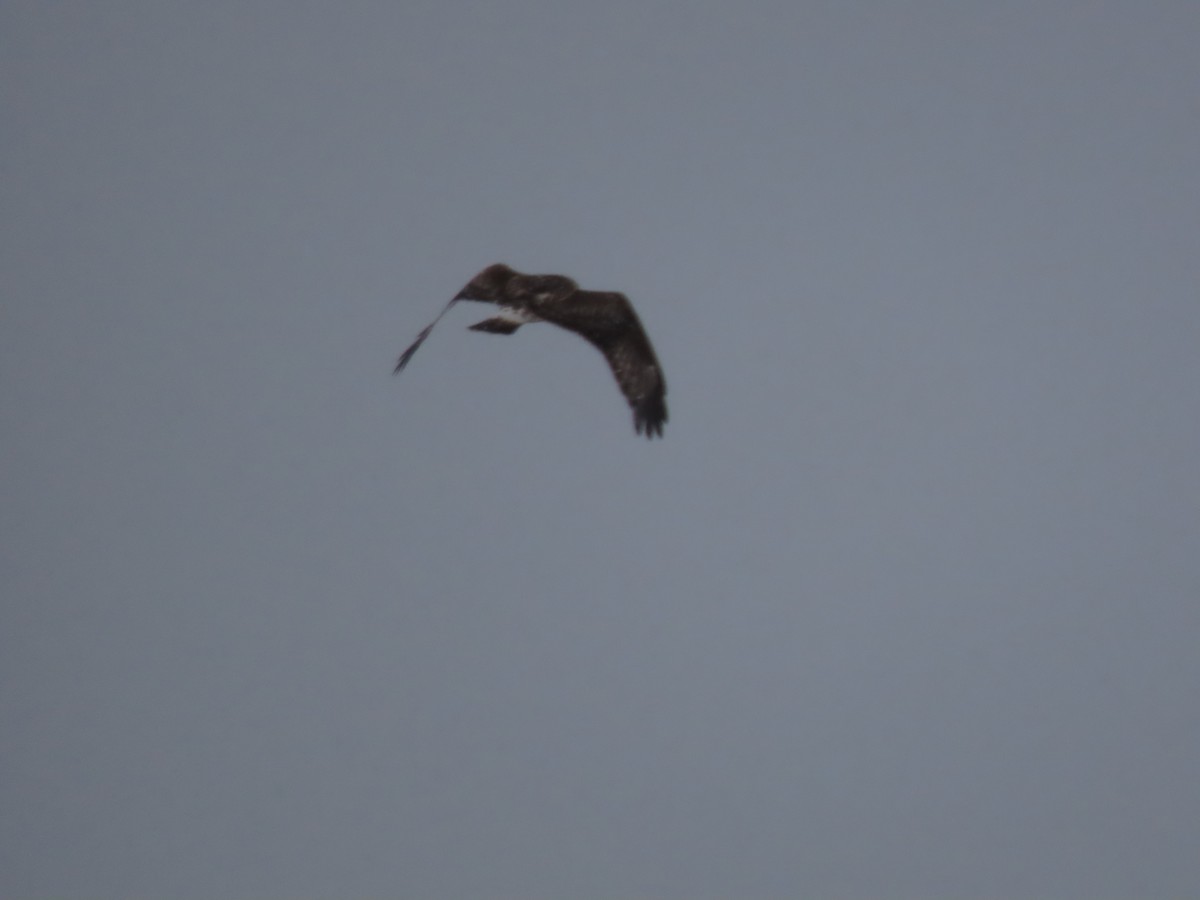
(605, 319)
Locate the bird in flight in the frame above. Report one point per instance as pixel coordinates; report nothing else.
(605, 319)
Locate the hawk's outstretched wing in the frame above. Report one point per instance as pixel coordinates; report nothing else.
(415, 345)
(607, 320)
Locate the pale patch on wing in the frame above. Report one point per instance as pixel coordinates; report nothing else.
(517, 316)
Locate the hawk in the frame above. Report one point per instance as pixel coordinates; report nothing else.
(605, 319)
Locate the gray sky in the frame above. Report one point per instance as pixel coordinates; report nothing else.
(903, 605)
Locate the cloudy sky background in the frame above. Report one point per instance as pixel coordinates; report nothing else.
(905, 604)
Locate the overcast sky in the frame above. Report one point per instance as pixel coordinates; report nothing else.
(906, 603)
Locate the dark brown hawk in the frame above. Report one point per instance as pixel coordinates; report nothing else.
(605, 319)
